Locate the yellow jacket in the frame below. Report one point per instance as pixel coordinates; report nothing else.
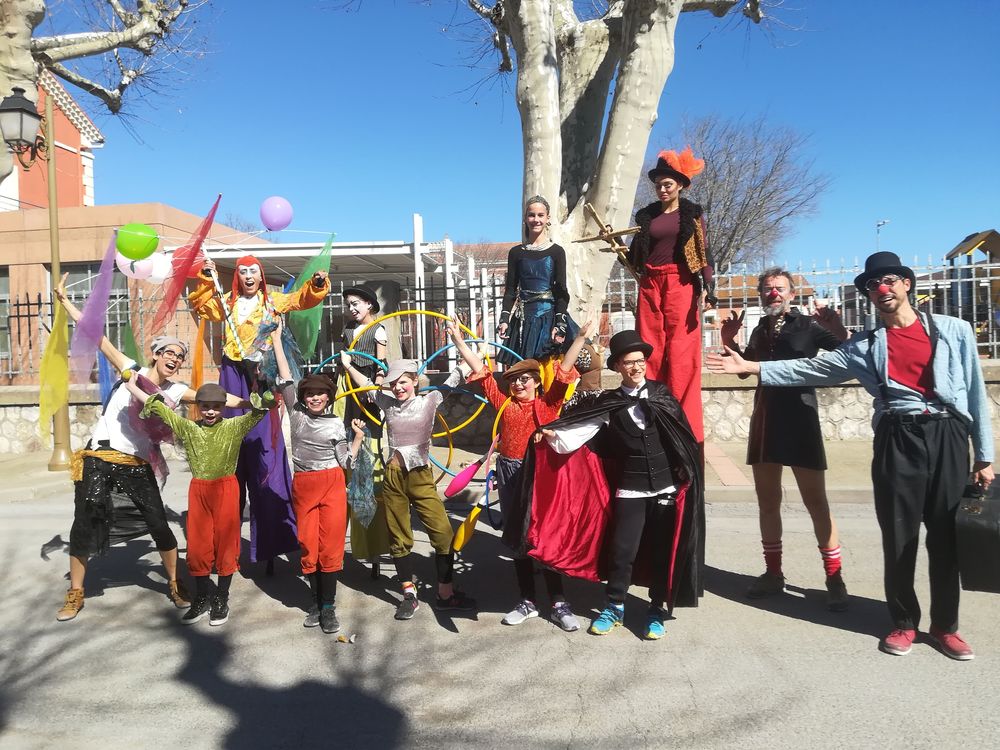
(207, 305)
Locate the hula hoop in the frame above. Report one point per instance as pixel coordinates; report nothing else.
(451, 445)
(353, 353)
(496, 422)
(396, 315)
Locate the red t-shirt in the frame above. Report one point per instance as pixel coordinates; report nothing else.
(910, 358)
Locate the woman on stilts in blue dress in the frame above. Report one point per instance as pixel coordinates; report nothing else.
(534, 322)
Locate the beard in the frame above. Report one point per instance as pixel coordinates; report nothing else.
(774, 309)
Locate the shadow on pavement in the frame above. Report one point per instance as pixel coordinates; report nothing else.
(864, 616)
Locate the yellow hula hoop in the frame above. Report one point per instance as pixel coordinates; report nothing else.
(451, 450)
(396, 314)
(496, 422)
(448, 432)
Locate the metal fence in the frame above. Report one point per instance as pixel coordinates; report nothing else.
(967, 291)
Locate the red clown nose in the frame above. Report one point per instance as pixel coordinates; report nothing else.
(773, 296)
(884, 289)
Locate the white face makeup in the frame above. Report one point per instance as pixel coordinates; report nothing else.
(357, 307)
(251, 278)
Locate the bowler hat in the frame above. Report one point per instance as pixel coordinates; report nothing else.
(315, 382)
(210, 393)
(624, 342)
(365, 293)
(881, 263)
(530, 366)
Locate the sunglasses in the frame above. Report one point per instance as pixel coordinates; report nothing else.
(873, 284)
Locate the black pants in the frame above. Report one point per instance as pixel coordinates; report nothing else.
(919, 472)
(631, 517)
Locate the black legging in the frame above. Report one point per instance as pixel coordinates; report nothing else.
(631, 514)
(524, 568)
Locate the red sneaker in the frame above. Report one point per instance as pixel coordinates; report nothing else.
(898, 642)
(951, 644)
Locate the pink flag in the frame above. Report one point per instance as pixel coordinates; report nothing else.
(89, 329)
(183, 260)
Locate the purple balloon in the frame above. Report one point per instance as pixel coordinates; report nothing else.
(276, 213)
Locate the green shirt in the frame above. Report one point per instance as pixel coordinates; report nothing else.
(211, 451)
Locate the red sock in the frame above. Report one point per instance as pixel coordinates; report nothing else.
(772, 556)
(831, 560)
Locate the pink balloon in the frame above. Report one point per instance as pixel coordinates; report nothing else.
(276, 213)
(134, 269)
(163, 269)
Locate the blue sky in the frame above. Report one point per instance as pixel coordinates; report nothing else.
(360, 119)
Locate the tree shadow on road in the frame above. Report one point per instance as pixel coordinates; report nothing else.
(864, 616)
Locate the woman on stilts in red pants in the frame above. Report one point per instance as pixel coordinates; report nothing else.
(676, 282)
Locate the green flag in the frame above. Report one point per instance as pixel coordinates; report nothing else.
(305, 323)
(129, 347)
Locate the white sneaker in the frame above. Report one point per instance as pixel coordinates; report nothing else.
(523, 611)
(563, 616)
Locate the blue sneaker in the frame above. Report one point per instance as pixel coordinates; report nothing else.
(608, 620)
(654, 624)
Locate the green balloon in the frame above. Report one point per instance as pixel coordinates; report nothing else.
(137, 241)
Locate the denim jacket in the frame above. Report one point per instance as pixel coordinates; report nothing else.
(958, 377)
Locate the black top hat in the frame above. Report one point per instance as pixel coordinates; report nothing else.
(881, 263)
(663, 169)
(365, 293)
(624, 342)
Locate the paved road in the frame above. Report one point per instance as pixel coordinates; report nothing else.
(783, 673)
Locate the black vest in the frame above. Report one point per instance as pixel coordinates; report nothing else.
(645, 466)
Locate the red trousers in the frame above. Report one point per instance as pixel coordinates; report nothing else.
(213, 526)
(670, 320)
(320, 502)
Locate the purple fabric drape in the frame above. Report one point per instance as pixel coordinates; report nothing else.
(89, 329)
(264, 475)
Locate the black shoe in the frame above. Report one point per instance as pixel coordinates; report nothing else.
(328, 620)
(836, 593)
(457, 602)
(312, 619)
(197, 610)
(220, 610)
(407, 606)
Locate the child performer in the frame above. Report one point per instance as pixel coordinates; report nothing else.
(527, 412)
(409, 480)
(319, 495)
(213, 528)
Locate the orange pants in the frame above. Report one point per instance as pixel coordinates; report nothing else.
(213, 526)
(320, 502)
(669, 319)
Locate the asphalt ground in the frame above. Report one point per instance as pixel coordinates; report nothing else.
(775, 673)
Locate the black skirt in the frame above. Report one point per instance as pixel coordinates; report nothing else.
(784, 428)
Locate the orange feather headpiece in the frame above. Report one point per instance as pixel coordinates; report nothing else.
(682, 166)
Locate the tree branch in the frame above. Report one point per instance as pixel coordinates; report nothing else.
(717, 8)
(113, 99)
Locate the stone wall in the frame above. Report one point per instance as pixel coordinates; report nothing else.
(845, 412)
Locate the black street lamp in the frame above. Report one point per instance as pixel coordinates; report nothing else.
(19, 123)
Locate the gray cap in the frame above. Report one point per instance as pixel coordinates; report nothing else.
(162, 342)
(399, 367)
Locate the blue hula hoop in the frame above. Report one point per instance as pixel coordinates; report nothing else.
(353, 353)
(446, 347)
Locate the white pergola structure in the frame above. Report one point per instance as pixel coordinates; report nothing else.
(405, 263)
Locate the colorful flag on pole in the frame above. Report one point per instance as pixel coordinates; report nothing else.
(305, 324)
(183, 261)
(53, 373)
(89, 329)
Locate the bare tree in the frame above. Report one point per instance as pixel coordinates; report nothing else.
(569, 56)
(757, 178)
(120, 44)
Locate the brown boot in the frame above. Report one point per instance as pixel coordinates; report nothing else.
(72, 606)
(179, 595)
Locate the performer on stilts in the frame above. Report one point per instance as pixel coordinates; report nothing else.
(676, 283)
(249, 311)
(534, 322)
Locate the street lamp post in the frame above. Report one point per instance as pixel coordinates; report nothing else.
(878, 229)
(19, 121)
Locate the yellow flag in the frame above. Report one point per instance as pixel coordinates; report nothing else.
(54, 373)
